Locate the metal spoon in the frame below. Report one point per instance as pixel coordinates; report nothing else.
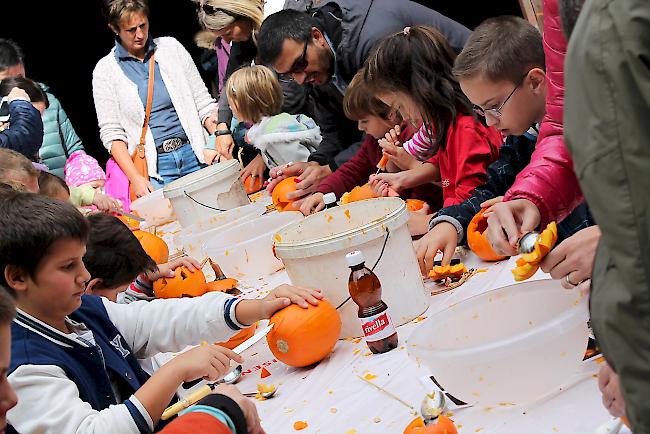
(432, 406)
(231, 377)
(265, 395)
(526, 243)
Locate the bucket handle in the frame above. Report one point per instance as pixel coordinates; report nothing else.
(381, 254)
(202, 204)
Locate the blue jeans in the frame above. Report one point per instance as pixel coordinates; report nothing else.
(175, 164)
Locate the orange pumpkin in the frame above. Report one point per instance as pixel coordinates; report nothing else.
(279, 194)
(154, 246)
(221, 285)
(301, 337)
(184, 284)
(439, 272)
(358, 193)
(528, 263)
(443, 425)
(414, 204)
(252, 184)
(477, 241)
(129, 222)
(239, 337)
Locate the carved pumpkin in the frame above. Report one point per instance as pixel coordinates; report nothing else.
(184, 284)
(239, 337)
(443, 425)
(477, 241)
(358, 193)
(301, 337)
(440, 272)
(154, 246)
(221, 285)
(279, 194)
(528, 263)
(252, 184)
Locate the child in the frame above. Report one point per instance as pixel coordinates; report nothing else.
(375, 119)
(74, 365)
(255, 96)
(53, 186)
(7, 395)
(15, 167)
(84, 174)
(507, 80)
(410, 71)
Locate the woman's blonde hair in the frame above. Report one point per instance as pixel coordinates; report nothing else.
(215, 15)
(115, 10)
(255, 92)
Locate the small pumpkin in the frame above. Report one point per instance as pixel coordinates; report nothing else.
(221, 285)
(362, 192)
(280, 192)
(185, 283)
(252, 184)
(154, 246)
(302, 337)
(439, 272)
(443, 425)
(477, 241)
(239, 337)
(528, 263)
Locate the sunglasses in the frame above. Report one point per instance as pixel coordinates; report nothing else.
(301, 63)
(211, 10)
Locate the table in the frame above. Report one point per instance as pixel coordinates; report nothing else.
(332, 399)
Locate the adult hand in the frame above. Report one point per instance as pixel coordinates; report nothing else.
(247, 406)
(225, 145)
(609, 385)
(572, 260)
(508, 221)
(309, 180)
(488, 204)
(312, 204)
(141, 186)
(255, 169)
(442, 237)
(106, 203)
(210, 155)
(280, 173)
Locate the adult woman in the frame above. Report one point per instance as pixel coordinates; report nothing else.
(236, 22)
(180, 121)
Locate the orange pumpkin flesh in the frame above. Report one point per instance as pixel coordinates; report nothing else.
(252, 184)
(528, 263)
(279, 195)
(222, 285)
(362, 192)
(184, 284)
(439, 272)
(239, 337)
(301, 337)
(155, 247)
(443, 425)
(477, 241)
(414, 204)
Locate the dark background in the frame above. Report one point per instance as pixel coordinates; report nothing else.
(63, 41)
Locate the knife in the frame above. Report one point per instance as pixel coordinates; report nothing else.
(238, 349)
(129, 215)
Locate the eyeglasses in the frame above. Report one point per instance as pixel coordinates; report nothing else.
(496, 112)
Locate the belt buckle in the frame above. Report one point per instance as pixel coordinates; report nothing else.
(171, 145)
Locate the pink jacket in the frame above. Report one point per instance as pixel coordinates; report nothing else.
(549, 181)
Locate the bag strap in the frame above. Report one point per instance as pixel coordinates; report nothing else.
(149, 101)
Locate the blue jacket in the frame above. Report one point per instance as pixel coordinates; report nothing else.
(87, 367)
(25, 133)
(59, 137)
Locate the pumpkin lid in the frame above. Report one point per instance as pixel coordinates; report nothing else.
(355, 258)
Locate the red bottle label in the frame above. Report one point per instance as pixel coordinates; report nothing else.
(377, 327)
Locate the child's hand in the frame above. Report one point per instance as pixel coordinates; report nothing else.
(312, 204)
(487, 205)
(392, 136)
(442, 237)
(395, 183)
(610, 388)
(167, 269)
(209, 362)
(250, 311)
(106, 203)
(398, 155)
(246, 405)
(508, 221)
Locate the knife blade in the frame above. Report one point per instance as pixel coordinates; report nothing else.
(129, 215)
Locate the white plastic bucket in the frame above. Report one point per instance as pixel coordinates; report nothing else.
(313, 252)
(509, 345)
(193, 238)
(206, 192)
(246, 249)
(154, 208)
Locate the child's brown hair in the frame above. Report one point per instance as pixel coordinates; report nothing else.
(51, 185)
(359, 100)
(501, 48)
(255, 92)
(12, 161)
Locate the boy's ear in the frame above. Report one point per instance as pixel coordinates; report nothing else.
(537, 79)
(16, 278)
(94, 284)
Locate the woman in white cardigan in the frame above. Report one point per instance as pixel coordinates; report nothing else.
(178, 138)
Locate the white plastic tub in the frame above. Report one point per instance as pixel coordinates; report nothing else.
(193, 238)
(314, 250)
(206, 192)
(246, 249)
(508, 345)
(154, 208)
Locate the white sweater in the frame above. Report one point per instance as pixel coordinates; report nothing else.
(120, 111)
(49, 402)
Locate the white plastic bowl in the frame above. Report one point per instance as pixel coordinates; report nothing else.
(508, 345)
(154, 208)
(246, 249)
(193, 238)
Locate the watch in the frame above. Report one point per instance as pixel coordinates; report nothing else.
(222, 132)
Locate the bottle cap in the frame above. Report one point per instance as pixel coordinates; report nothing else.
(329, 198)
(355, 258)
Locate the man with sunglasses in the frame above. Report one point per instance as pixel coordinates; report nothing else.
(323, 50)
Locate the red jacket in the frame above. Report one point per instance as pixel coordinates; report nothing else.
(470, 148)
(549, 181)
(196, 423)
(358, 169)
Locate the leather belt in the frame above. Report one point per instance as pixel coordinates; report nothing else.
(171, 145)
